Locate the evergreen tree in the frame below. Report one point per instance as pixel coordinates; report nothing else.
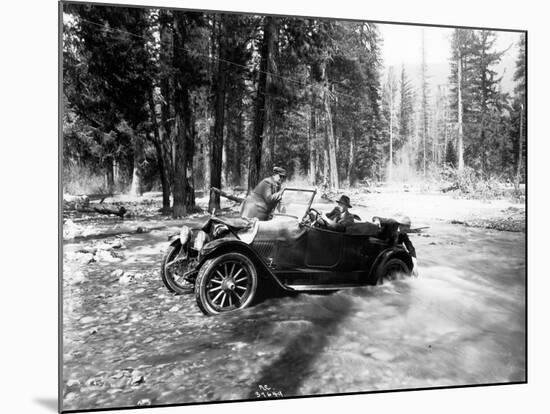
(424, 149)
(406, 110)
(461, 85)
(519, 124)
(189, 72)
(389, 104)
(450, 155)
(486, 98)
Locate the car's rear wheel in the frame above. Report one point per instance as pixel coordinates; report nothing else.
(226, 283)
(392, 269)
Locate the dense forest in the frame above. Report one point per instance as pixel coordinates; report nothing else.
(178, 101)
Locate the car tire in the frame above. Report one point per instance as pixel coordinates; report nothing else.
(226, 283)
(167, 276)
(391, 270)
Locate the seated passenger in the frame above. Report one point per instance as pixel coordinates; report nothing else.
(339, 217)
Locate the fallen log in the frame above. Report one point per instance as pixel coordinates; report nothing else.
(229, 196)
(72, 202)
(450, 188)
(100, 197)
(121, 211)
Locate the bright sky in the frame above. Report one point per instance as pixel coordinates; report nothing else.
(403, 45)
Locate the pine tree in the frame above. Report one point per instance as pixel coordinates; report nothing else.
(255, 166)
(424, 111)
(461, 85)
(406, 110)
(520, 107)
(485, 95)
(450, 155)
(389, 106)
(189, 72)
(110, 90)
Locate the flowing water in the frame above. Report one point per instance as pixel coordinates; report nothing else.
(462, 321)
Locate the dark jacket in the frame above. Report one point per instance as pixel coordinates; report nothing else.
(389, 233)
(261, 202)
(403, 238)
(341, 219)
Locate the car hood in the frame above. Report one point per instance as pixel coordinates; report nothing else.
(279, 228)
(250, 230)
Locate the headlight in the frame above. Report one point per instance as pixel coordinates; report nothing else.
(200, 238)
(185, 234)
(219, 230)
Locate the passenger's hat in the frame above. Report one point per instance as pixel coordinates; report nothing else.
(404, 221)
(279, 170)
(344, 200)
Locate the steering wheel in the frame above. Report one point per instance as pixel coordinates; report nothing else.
(316, 218)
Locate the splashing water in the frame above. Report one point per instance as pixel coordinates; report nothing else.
(460, 322)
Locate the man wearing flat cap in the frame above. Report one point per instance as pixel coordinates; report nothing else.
(265, 196)
(340, 217)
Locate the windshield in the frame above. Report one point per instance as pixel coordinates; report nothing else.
(295, 202)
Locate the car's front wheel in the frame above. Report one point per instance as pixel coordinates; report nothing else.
(225, 283)
(172, 270)
(390, 270)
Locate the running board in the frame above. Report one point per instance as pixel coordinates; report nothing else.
(312, 288)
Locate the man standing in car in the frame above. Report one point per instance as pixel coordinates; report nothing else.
(265, 196)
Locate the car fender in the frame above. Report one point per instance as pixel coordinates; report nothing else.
(385, 255)
(221, 246)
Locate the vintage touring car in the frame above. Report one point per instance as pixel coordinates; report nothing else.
(226, 260)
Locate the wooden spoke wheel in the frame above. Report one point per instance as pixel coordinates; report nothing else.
(173, 269)
(225, 283)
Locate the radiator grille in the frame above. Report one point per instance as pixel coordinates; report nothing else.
(264, 249)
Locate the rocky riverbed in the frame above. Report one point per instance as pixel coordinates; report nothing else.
(128, 341)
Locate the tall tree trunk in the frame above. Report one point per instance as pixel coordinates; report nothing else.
(219, 120)
(166, 90)
(226, 153)
(239, 147)
(269, 144)
(390, 169)
(331, 145)
(110, 175)
(444, 155)
(116, 172)
(183, 201)
(435, 135)
(161, 157)
(424, 106)
(351, 160)
(136, 186)
(206, 149)
(268, 151)
(460, 144)
(183, 157)
(260, 107)
(312, 140)
(520, 148)
(326, 167)
(190, 149)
